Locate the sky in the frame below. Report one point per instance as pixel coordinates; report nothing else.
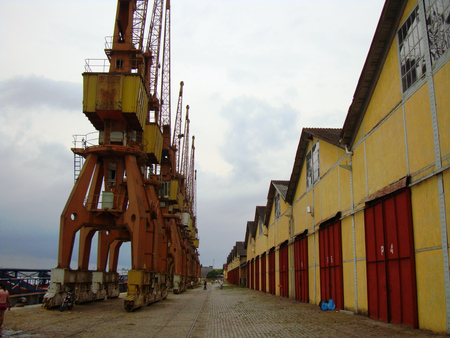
(255, 73)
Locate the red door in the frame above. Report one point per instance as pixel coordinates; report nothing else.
(284, 278)
(330, 250)
(272, 272)
(248, 275)
(263, 273)
(252, 274)
(391, 282)
(301, 268)
(257, 274)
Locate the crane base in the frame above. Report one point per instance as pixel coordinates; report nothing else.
(179, 284)
(144, 288)
(87, 286)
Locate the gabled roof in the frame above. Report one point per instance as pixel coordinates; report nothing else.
(248, 232)
(384, 35)
(330, 135)
(238, 250)
(241, 249)
(259, 214)
(275, 186)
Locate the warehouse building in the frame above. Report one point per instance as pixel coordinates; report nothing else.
(363, 218)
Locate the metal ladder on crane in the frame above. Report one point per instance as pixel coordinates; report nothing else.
(78, 160)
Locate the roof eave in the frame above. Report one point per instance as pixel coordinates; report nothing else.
(383, 37)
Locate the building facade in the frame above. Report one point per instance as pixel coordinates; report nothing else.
(364, 217)
(236, 265)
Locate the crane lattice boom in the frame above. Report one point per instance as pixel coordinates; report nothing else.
(139, 17)
(165, 73)
(176, 141)
(153, 45)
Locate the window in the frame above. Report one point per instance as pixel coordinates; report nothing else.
(437, 13)
(119, 64)
(260, 225)
(164, 192)
(277, 206)
(412, 50)
(412, 43)
(312, 165)
(112, 172)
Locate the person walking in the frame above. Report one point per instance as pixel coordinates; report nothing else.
(204, 285)
(4, 300)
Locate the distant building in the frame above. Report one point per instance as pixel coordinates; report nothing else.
(205, 270)
(236, 266)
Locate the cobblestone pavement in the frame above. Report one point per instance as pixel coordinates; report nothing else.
(230, 312)
(238, 312)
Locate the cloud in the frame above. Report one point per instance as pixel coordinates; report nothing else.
(25, 92)
(37, 184)
(257, 137)
(259, 146)
(255, 74)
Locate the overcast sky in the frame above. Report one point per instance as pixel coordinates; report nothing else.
(255, 71)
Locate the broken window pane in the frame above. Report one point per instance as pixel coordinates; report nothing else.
(438, 27)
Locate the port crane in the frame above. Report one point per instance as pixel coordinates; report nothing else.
(130, 187)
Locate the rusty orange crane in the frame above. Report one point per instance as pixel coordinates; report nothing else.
(128, 188)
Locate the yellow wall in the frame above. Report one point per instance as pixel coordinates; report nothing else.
(329, 188)
(446, 180)
(387, 93)
(386, 153)
(361, 273)
(441, 83)
(234, 263)
(425, 214)
(430, 290)
(345, 197)
(359, 174)
(419, 130)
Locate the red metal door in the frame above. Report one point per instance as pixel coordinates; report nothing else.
(252, 274)
(272, 272)
(330, 250)
(257, 274)
(248, 275)
(301, 269)
(263, 273)
(284, 278)
(392, 294)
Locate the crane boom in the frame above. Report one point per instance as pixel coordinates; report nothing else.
(185, 154)
(176, 141)
(165, 73)
(153, 45)
(194, 197)
(191, 173)
(139, 17)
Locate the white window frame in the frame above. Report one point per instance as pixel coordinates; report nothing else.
(312, 165)
(277, 206)
(423, 38)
